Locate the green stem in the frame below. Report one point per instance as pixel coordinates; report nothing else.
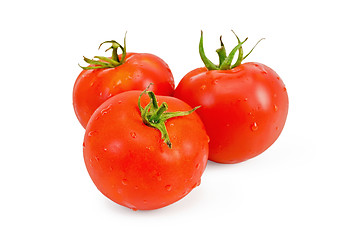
(153, 98)
(221, 52)
(225, 61)
(226, 64)
(155, 116)
(105, 62)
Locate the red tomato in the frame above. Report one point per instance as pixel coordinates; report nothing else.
(244, 108)
(136, 72)
(132, 165)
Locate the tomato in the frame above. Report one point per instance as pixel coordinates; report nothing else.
(244, 107)
(145, 164)
(110, 76)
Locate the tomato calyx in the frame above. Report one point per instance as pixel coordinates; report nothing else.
(155, 116)
(225, 61)
(106, 62)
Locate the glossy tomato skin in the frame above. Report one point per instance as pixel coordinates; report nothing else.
(95, 86)
(130, 163)
(243, 109)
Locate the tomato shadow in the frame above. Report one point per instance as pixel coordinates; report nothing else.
(211, 165)
(190, 203)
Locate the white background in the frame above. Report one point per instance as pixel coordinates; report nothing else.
(308, 185)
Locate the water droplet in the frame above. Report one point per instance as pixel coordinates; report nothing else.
(275, 95)
(119, 102)
(215, 82)
(245, 99)
(198, 166)
(124, 181)
(285, 89)
(261, 68)
(254, 126)
(101, 93)
(203, 87)
(208, 139)
(91, 133)
(150, 148)
(159, 178)
(227, 125)
(105, 149)
(96, 158)
(172, 124)
(110, 168)
(91, 84)
(133, 134)
(168, 188)
(106, 110)
(276, 128)
(275, 108)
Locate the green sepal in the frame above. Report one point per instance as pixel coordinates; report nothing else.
(106, 62)
(226, 64)
(225, 61)
(253, 48)
(241, 52)
(208, 64)
(155, 116)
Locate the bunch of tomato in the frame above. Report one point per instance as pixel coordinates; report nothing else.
(146, 144)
